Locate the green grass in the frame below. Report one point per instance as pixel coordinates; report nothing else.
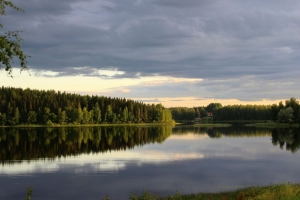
(212, 125)
(204, 125)
(274, 125)
(272, 192)
(82, 125)
(284, 191)
(240, 121)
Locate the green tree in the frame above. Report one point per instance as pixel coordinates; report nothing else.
(31, 117)
(61, 116)
(213, 106)
(2, 118)
(13, 116)
(274, 111)
(293, 103)
(137, 114)
(11, 44)
(85, 116)
(125, 115)
(46, 115)
(286, 115)
(110, 116)
(96, 114)
(79, 115)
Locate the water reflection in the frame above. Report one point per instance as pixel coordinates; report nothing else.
(91, 162)
(218, 132)
(33, 143)
(19, 144)
(290, 138)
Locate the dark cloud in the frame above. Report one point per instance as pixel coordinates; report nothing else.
(182, 4)
(45, 7)
(213, 40)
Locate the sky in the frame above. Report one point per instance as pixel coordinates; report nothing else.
(178, 53)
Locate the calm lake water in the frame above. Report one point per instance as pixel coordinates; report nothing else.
(90, 162)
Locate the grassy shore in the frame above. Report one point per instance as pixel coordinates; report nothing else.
(272, 192)
(84, 125)
(204, 124)
(240, 121)
(212, 125)
(274, 125)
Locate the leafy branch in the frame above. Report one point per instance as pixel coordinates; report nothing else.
(11, 44)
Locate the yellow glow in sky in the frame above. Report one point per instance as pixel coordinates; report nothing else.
(93, 85)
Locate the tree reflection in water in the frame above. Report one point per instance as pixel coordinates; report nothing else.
(19, 144)
(218, 132)
(33, 143)
(290, 138)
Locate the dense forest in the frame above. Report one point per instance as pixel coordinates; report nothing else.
(218, 112)
(290, 112)
(19, 106)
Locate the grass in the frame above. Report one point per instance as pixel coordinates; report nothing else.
(212, 125)
(82, 125)
(241, 121)
(274, 125)
(272, 192)
(284, 191)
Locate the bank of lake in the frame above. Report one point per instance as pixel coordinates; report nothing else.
(284, 191)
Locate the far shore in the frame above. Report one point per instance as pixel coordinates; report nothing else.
(206, 125)
(81, 125)
(253, 123)
(274, 125)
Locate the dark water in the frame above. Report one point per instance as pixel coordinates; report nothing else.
(91, 162)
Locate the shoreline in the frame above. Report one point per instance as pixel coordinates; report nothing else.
(273, 125)
(270, 192)
(80, 125)
(252, 123)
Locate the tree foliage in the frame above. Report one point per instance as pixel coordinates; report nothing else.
(11, 44)
(18, 106)
(286, 115)
(273, 112)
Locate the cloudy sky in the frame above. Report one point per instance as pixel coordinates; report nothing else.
(179, 53)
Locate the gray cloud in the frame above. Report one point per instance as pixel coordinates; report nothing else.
(215, 40)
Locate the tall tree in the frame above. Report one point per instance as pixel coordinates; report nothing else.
(96, 114)
(31, 117)
(61, 116)
(286, 115)
(293, 103)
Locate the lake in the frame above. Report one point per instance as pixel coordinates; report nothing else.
(91, 162)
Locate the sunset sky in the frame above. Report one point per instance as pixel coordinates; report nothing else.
(174, 52)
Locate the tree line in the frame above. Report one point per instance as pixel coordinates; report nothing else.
(26, 106)
(184, 113)
(288, 112)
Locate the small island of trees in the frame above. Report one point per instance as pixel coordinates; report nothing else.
(288, 113)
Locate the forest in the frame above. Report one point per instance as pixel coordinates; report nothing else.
(286, 113)
(26, 106)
